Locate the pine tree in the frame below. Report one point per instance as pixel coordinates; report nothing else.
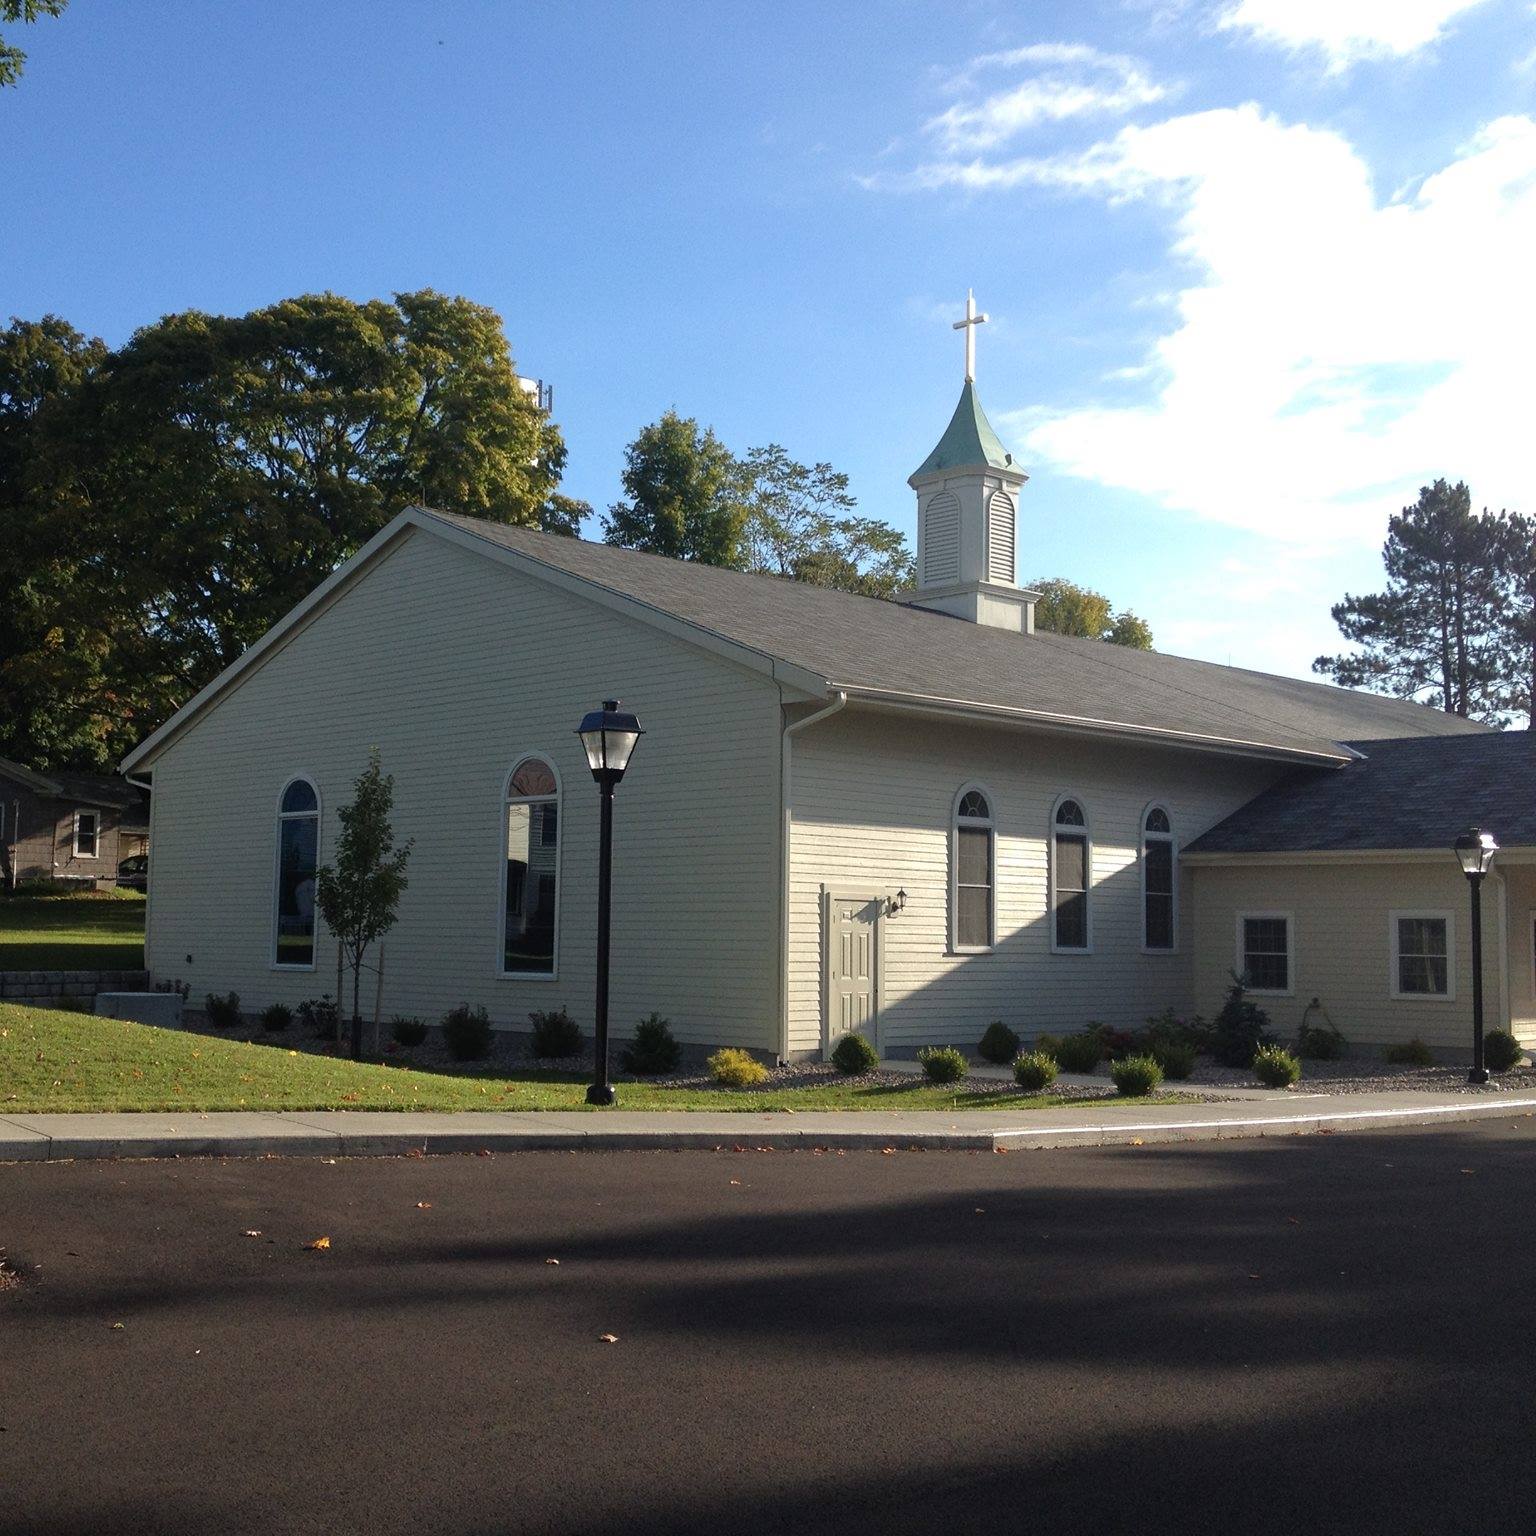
(1437, 633)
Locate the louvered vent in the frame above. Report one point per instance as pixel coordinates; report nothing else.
(941, 540)
(1000, 535)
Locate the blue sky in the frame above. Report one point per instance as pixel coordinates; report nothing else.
(1257, 268)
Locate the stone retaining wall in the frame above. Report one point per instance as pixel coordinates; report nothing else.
(46, 989)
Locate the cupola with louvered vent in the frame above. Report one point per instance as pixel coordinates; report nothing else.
(967, 524)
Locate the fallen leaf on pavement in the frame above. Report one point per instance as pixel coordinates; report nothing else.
(415, 1152)
(603, 1338)
(117, 1325)
(735, 1181)
(1469, 1170)
(423, 1205)
(319, 1245)
(887, 1151)
(551, 1261)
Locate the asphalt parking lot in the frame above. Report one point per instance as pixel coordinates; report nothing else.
(1319, 1333)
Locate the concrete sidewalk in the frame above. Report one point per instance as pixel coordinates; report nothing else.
(353, 1133)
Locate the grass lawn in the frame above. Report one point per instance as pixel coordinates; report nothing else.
(51, 1060)
(82, 931)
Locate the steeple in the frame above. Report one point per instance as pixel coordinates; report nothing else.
(967, 514)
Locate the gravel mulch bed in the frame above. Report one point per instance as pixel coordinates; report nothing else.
(1361, 1075)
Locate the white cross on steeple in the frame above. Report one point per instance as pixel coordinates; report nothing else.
(968, 325)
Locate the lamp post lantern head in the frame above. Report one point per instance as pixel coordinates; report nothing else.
(1474, 852)
(609, 735)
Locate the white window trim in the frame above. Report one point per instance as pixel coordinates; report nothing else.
(1240, 958)
(1171, 838)
(955, 947)
(1050, 858)
(302, 777)
(509, 799)
(1445, 916)
(96, 818)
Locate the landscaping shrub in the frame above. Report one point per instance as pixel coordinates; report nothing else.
(467, 1033)
(943, 1063)
(318, 1016)
(1318, 1039)
(1079, 1053)
(1170, 1028)
(222, 1012)
(407, 1031)
(1177, 1061)
(1409, 1053)
(1501, 1050)
(737, 1069)
(1049, 1045)
(1240, 1029)
(555, 1033)
(1116, 1044)
(653, 1050)
(276, 1017)
(1275, 1068)
(1035, 1071)
(999, 1044)
(1136, 1076)
(854, 1055)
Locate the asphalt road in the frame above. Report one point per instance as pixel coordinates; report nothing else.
(1318, 1334)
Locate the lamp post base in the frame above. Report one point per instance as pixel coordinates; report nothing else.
(601, 1094)
(1479, 1075)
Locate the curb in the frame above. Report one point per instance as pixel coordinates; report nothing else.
(279, 1136)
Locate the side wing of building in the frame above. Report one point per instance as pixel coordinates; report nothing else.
(875, 797)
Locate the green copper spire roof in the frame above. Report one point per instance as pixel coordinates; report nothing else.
(968, 442)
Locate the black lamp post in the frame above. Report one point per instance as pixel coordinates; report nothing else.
(609, 736)
(1474, 851)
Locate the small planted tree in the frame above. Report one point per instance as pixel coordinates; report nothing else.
(358, 895)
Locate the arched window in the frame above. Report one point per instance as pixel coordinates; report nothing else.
(1071, 876)
(973, 862)
(531, 878)
(298, 854)
(1157, 880)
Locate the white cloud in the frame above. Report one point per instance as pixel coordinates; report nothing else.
(1346, 31)
(1330, 352)
(1060, 80)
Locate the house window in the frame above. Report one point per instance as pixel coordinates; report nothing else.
(1071, 869)
(1421, 954)
(531, 869)
(298, 855)
(1157, 876)
(1264, 950)
(87, 834)
(974, 860)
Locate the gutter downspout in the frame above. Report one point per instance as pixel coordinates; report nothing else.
(839, 699)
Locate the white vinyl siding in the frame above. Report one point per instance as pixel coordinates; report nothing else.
(456, 666)
(1342, 947)
(874, 796)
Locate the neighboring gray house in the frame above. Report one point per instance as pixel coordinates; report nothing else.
(907, 817)
(68, 826)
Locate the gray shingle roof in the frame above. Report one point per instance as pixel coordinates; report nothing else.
(82, 788)
(1416, 793)
(866, 644)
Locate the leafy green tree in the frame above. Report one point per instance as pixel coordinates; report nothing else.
(358, 895)
(800, 524)
(1438, 632)
(42, 364)
(684, 493)
(11, 57)
(1064, 608)
(200, 481)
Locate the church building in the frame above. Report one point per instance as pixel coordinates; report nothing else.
(908, 818)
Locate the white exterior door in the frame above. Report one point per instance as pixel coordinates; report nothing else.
(853, 967)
